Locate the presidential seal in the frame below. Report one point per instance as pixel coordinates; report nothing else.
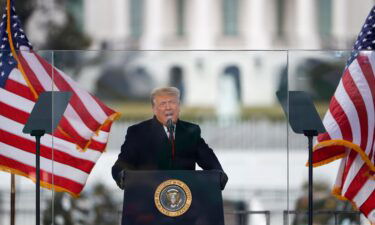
(172, 198)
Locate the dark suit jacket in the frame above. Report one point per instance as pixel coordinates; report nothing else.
(147, 147)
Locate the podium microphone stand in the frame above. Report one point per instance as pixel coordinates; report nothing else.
(44, 118)
(304, 119)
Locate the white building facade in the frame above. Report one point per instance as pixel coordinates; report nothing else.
(225, 24)
(222, 25)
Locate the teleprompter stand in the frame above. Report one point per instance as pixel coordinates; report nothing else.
(44, 118)
(304, 119)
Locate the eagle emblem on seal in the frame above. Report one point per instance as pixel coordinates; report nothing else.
(172, 198)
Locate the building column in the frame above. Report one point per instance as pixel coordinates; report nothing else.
(201, 28)
(121, 23)
(99, 17)
(339, 23)
(307, 24)
(256, 24)
(152, 35)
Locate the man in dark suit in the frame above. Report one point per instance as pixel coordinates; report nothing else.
(164, 142)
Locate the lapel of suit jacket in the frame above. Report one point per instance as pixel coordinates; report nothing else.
(161, 144)
(179, 136)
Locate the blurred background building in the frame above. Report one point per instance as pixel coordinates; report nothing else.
(198, 25)
(219, 25)
(223, 24)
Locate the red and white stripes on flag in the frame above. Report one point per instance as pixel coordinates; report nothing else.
(350, 125)
(68, 156)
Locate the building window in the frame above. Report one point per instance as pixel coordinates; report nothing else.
(325, 18)
(136, 15)
(180, 17)
(234, 73)
(176, 79)
(230, 17)
(280, 4)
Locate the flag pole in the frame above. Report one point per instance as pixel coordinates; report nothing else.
(12, 199)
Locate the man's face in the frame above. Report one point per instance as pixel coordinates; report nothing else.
(166, 107)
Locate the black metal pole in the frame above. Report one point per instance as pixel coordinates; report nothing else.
(310, 135)
(311, 209)
(12, 200)
(38, 134)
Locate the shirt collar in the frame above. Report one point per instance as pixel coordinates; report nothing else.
(166, 130)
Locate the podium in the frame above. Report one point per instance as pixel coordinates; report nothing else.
(166, 197)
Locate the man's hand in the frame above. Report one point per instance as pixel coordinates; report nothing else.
(223, 180)
(120, 181)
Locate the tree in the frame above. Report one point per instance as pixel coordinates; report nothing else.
(58, 30)
(66, 36)
(24, 8)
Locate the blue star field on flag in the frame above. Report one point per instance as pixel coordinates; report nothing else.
(366, 38)
(7, 60)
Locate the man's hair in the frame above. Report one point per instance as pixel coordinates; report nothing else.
(169, 91)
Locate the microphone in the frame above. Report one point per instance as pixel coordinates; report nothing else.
(170, 126)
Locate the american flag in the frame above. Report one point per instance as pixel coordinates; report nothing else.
(350, 125)
(67, 156)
